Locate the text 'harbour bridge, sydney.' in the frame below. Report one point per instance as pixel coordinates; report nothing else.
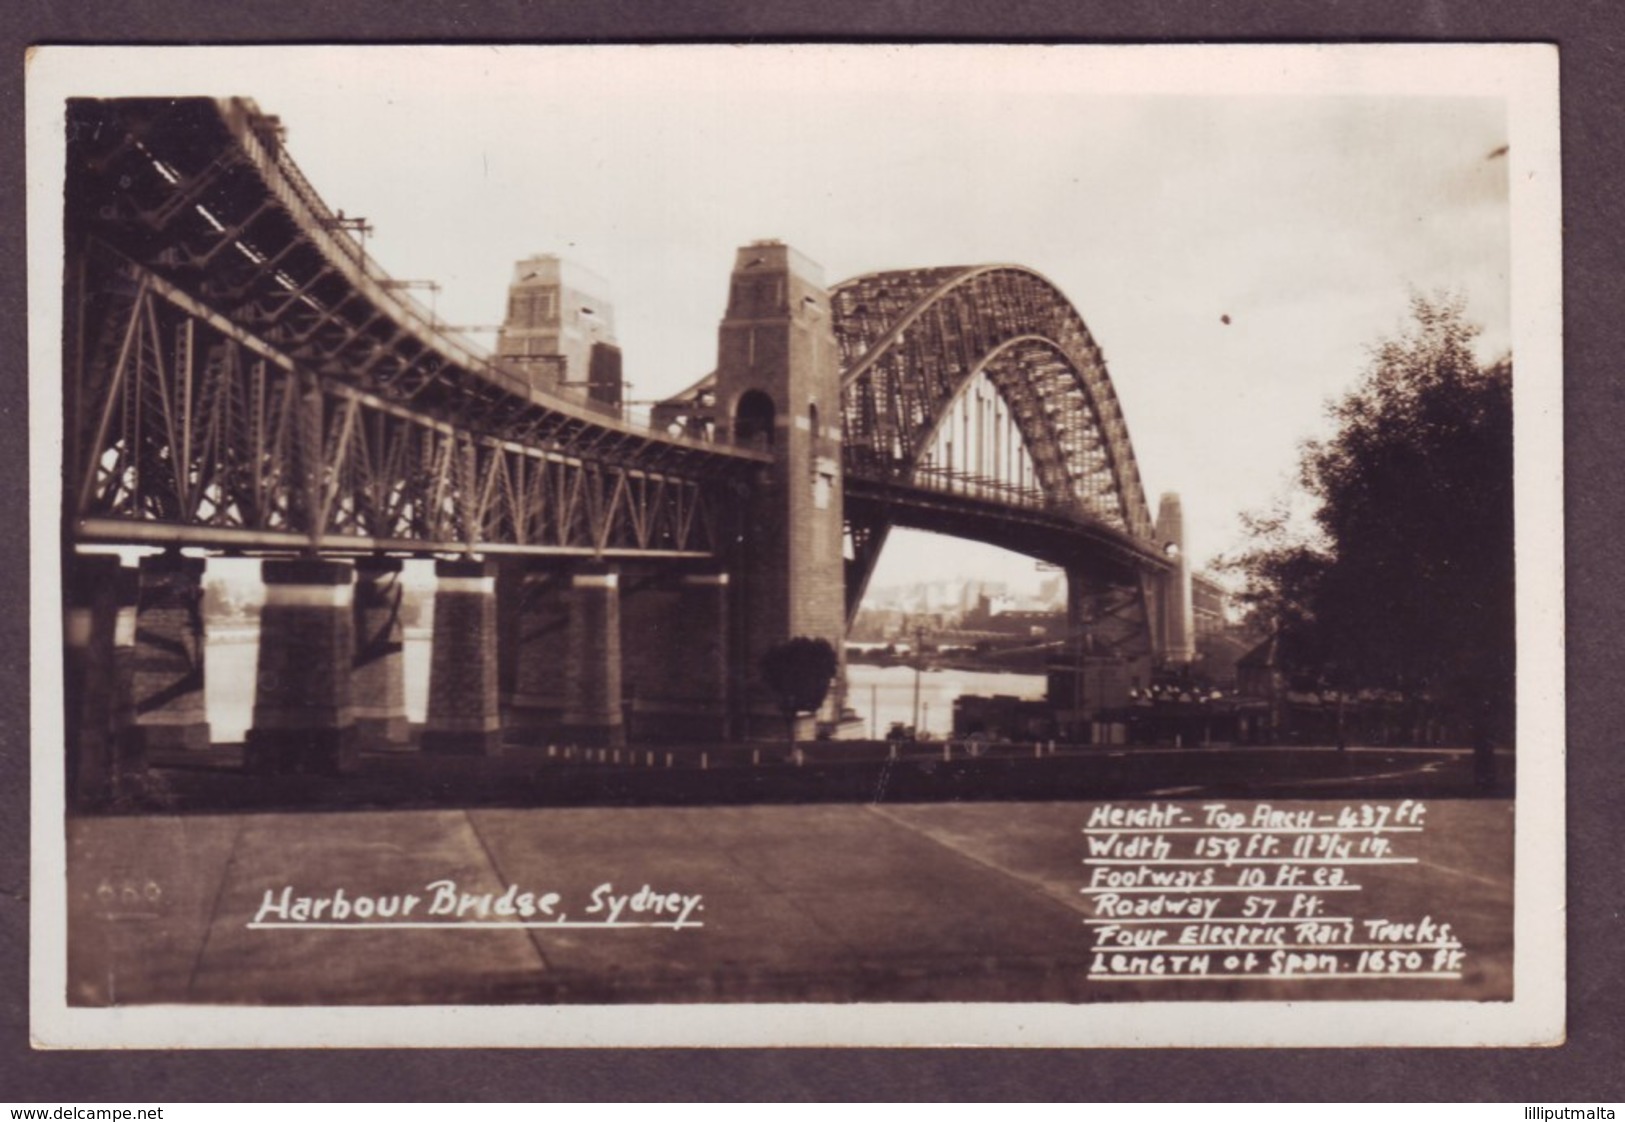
(241, 379)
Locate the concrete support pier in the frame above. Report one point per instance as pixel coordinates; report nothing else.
(463, 716)
(167, 673)
(653, 646)
(1110, 624)
(304, 715)
(380, 665)
(702, 625)
(541, 653)
(592, 712)
(90, 678)
(510, 605)
(674, 649)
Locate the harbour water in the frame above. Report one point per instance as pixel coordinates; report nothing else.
(229, 662)
(880, 695)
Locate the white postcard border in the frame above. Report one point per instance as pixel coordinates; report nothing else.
(1525, 75)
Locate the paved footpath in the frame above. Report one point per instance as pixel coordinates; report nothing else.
(967, 902)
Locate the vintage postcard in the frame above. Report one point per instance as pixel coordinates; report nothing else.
(802, 545)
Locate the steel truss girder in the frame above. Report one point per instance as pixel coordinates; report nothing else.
(202, 193)
(1118, 618)
(866, 533)
(191, 429)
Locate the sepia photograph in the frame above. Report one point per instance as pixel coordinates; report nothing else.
(796, 544)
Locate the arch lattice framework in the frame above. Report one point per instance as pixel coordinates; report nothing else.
(912, 341)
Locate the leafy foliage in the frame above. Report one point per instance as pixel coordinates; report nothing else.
(799, 672)
(1411, 582)
(1282, 573)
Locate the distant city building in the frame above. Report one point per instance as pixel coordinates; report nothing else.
(1001, 616)
(559, 333)
(1052, 592)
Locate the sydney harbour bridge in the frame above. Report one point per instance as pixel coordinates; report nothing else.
(240, 379)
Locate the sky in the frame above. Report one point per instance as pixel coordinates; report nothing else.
(1302, 194)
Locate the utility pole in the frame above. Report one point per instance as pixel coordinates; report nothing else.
(432, 287)
(919, 662)
(1077, 683)
(358, 226)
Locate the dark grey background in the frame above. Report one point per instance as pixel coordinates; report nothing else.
(1591, 37)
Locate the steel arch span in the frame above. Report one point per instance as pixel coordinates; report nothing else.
(914, 346)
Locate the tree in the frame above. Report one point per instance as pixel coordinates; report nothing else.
(799, 672)
(1409, 583)
(1282, 572)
